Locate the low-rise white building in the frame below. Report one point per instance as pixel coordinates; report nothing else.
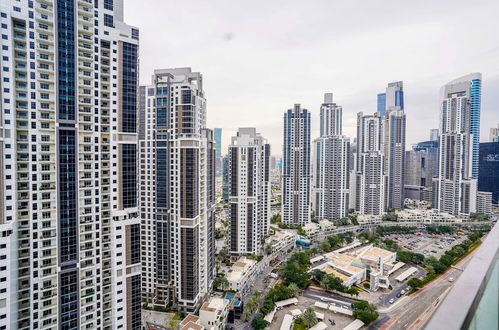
(213, 313)
(240, 272)
(282, 240)
(427, 217)
(484, 203)
(346, 267)
(380, 262)
(369, 219)
(312, 230)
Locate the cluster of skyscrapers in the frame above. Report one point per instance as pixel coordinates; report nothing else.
(108, 187)
(374, 173)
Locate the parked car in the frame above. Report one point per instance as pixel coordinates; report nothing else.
(391, 301)
(451, 279)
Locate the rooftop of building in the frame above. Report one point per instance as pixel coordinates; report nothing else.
(190, 323)
(213, 305)
(373, 253)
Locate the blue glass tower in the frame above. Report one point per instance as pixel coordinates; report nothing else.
(475, 95)
(217, 134)
(381, 104)
(488, 178)
(393, 97)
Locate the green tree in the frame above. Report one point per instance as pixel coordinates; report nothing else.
(415, 283)
(294, 273)
(325, 246)
(318, 275)
(279, 292)
(364, 311)
(293, 289)
(309, 317)
(259, 323)
(267, 307)
(220, 282)
(173, 321)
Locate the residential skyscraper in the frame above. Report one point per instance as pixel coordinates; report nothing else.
(421, 166)
(177, 189)
(394, 134)
(69, 214)
(393, 97)
(455, 188)
(249, 196)
(391, 111)
(470, 86)
(331, 174)
(296, 167)
(371, 181)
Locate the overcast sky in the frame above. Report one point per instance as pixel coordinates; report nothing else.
(258, 58)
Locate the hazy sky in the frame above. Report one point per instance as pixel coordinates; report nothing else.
(258, 58)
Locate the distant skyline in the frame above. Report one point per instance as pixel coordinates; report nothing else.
(259, 59)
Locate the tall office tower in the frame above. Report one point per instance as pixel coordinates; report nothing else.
(331, 175)
(177, 176)
(393, 97)
(217, 133)
(69, 213)
(296, 167)
(488, 176)
(371, 181)
(434, 134)
(469, 86)
(249, 196)
(394, 144)
(391, 111)
(455, 188)
(494, 134)
(421, 166)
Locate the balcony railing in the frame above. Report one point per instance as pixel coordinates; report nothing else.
(473, 302)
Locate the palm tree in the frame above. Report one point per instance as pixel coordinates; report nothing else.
(246, 314)
(309, 317)
(294, 289)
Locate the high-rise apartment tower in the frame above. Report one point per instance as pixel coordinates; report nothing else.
(177, 197)
(69, 215)
(296, 167)
(249, 197)
(331, 175)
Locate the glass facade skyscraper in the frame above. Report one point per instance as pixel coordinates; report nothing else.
(488, 176)
(217, 134)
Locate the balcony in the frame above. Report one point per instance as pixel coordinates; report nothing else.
(473, 302)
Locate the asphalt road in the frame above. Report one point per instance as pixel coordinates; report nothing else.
(385, 299)
(338, 301)
(415, 311)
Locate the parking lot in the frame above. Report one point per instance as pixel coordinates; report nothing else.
(427, 244)
(309, 299)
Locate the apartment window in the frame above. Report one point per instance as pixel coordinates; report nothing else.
(108, 20)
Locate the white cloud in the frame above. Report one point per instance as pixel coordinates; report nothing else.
(285, 52)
